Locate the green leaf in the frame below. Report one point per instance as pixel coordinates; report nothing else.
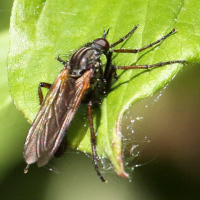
(41, 30)
(12, 123)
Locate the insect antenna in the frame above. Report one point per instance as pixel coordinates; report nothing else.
(105, 33)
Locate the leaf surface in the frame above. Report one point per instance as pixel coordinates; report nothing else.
(41, 30)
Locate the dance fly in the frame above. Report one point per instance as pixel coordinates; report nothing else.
(83, 79)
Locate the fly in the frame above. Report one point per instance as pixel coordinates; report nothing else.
(82, 79)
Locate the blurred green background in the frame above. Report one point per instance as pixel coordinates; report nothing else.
(170, 162)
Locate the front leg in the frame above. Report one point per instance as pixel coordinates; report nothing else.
(145, 47)
(110, 72)
(45, 85)
(61, 60)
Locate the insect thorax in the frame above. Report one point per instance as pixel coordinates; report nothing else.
(84, 59)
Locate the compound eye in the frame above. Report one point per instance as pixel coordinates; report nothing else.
(101, 44)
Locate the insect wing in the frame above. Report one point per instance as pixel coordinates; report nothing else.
(54, 117)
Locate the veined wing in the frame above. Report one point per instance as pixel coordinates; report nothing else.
(54, 117)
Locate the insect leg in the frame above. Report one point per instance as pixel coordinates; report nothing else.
(62, 148)
(42, 84)
(125, 37)
(108, 64)
(93, 141)
(146, 47)
(26, 168)
(110, 72)
(61, 60)
(160, 64)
